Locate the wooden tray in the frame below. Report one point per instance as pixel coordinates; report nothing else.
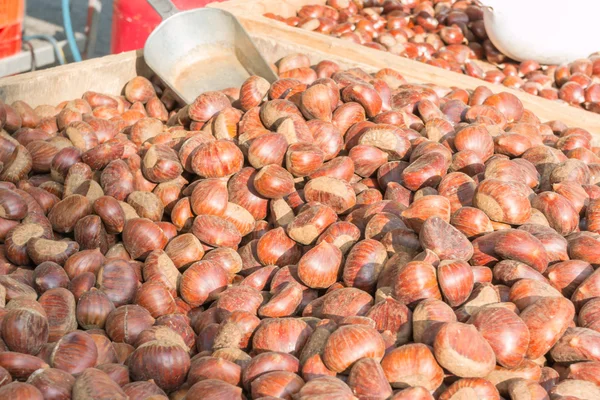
(250, 13)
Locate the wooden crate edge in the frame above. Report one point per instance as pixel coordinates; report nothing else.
(106, 74)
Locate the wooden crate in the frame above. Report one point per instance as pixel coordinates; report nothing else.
(110, 74)
(250, 13)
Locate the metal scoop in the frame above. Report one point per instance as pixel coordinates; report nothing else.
(202, 50)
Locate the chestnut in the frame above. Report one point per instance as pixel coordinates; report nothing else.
(68, 211)
(216, 231)
(282, 384)
(367, 378)
(574, 388)
(412, 365)
(267, 336)
(462, 350)
(341, 234)
(12, 206)
(575, 345)
(155, 297)
(142, 389)
(106, 351)
(445, 240)
(209, 197)
(275, 247)
(319, 267)
(49, 275)
(139, 89)
(367, 159)
(363, 264)
(425, 207)
(303, 159)
(19, 365)
(238, 298)
(112, 215)
(59, 305)
(267, 149)
(125, 323)
(506, 333)
(217, 159)
(202, 281)
(14, 289)
(52, 382)
(81, 284)
(169, 367)
(214, 389)
(17, 166)
(265, 362)
(503, 201)
(310, 223)
(141, 236)
(415, 281)
(25, 330)
(158, 267)
(161, 164)
(333, 192)
(6, 378)
(74, 352)
(117, 372)
(117, 279)
(380, 224)
(425, 171)
(94, 383)
(416, 392)
(550, 315)
(428, 317)
(559, 212)
(273, 181)
(456, 280)
(476, 386)
(43, 250)
(340, 303)
(146, 205)
(583, 371)
(227, 258)
(285, 301)
(20, 390)
(242, 192)
(214, 368)
(350, 343)
(520, 245)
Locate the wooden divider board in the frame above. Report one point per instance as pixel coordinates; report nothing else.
(67, 82)
(250, 13)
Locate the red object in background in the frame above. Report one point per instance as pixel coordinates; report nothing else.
(134, 20)
(10, 40)
(11, 12)
(11, 21)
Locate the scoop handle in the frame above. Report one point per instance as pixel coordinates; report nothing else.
(165, 8)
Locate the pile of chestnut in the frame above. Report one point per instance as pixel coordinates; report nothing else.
(337, 234)
(449, 34)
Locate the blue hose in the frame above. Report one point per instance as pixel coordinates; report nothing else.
(66, 13)
(60, 56)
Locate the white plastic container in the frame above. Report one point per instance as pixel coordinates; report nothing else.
(547, 31)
